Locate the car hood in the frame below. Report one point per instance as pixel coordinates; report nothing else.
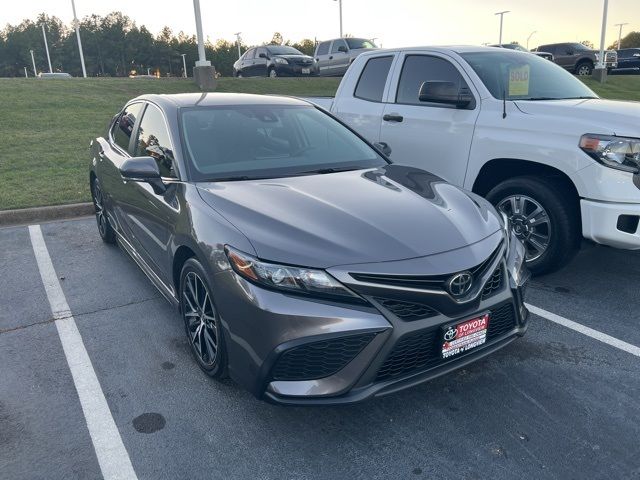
(364, 216)
(606, 116)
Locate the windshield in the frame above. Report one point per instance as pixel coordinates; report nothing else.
(355, 43)
(242, 142)
(521, 76)
(277, 50)
(579, 47)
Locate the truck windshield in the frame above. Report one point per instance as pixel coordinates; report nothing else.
(523, 76)
(242, 142)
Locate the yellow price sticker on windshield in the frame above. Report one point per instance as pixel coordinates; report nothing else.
(519, 81)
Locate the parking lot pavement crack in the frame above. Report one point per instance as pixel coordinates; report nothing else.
(67, 314)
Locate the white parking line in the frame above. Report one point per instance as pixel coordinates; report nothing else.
(589, 332)
(112, 455)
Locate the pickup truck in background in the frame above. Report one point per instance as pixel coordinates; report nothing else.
(577, 58)
(560, 162)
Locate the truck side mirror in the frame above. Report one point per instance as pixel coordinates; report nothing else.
(448, 93)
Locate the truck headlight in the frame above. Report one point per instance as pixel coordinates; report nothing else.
(621, 153)
(287, 278)
(281, 61)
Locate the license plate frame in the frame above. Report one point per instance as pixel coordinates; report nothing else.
(463, 336)
(306, 71)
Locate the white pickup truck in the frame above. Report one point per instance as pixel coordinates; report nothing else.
(559, 161)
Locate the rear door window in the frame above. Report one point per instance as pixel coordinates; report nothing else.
(373, 79)
(123, 126)
(323, 48)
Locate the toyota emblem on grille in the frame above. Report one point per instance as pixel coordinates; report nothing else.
(460, 284)
(450, 334)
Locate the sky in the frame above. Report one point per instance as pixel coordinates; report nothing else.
(395, 23)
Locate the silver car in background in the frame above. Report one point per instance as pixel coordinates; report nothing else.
(333, 57)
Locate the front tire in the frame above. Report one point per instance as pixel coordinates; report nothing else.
(584, 69)
(544, 215)
(201, 320)
(273, 73)
(106, 231)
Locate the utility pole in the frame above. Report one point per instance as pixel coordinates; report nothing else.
(620, 32)
(33, 60)
(184, 65)
(238, 43)
(501, 18)
(204, 74)
(340, 8)
(529, 38)
(25, 73)
(76, 24)
(46, 47)
(600, 72)
(202, 59)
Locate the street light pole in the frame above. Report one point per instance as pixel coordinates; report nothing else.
(501, 18)
(33, 60)
(202, 59)
(340, 8)
(620, 32)
(76, 24)
(25, 73)
(238, 43)
(601, 63)
(46, 47)
(184, 65)
(529, 38)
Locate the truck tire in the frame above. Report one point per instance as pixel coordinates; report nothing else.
(584, 68)
(544, 215)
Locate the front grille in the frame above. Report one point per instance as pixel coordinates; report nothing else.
(493, 284)
(420, 351)
(319, 359)
(424, 282)
(406, 310)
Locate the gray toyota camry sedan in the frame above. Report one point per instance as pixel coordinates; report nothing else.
(305, 265)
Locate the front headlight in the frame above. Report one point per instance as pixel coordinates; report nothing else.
(288, 278)
(281, 61)
(516, 262)
(621, 153)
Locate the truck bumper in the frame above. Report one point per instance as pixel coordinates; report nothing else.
(613, 224)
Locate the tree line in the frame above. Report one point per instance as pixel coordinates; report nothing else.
(113, 45)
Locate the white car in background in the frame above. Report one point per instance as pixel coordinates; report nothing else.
(559, 161)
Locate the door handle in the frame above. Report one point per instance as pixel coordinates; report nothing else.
(393, 117)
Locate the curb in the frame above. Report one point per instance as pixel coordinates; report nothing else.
(44, 214)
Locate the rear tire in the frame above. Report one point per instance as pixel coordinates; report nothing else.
(202, 321)
(543, 213)
(584, 69)
(106, 231)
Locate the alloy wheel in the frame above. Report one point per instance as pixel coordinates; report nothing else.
(200, 318)
(99, 206)
(273, 73)
(530, 222)
(584, 70)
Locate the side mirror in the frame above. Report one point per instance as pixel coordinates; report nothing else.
(143, 169)
(447, 93)
(383, 147)
(342, 48)
(263, 55)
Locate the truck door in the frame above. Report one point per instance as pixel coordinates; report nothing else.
(432, 136)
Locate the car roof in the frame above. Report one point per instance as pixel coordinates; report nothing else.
(208, 99)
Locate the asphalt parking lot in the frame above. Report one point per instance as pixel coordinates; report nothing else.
(554, 404)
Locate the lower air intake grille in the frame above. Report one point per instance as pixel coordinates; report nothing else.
(421, 350)
(406, 310)
(319, 359)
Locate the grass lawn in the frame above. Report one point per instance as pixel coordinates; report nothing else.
(46, 125)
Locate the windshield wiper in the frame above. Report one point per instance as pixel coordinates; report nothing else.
(236, 178)
(322, 171)
(558, 98)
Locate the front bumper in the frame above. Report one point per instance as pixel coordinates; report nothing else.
(613, 224)
(274, 340)
(293, 70)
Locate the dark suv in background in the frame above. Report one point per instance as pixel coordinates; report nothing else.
(273, 61)
(628, 60)
(577, 58)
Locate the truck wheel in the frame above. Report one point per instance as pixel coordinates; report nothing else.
(544, 215)
(584, 68)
